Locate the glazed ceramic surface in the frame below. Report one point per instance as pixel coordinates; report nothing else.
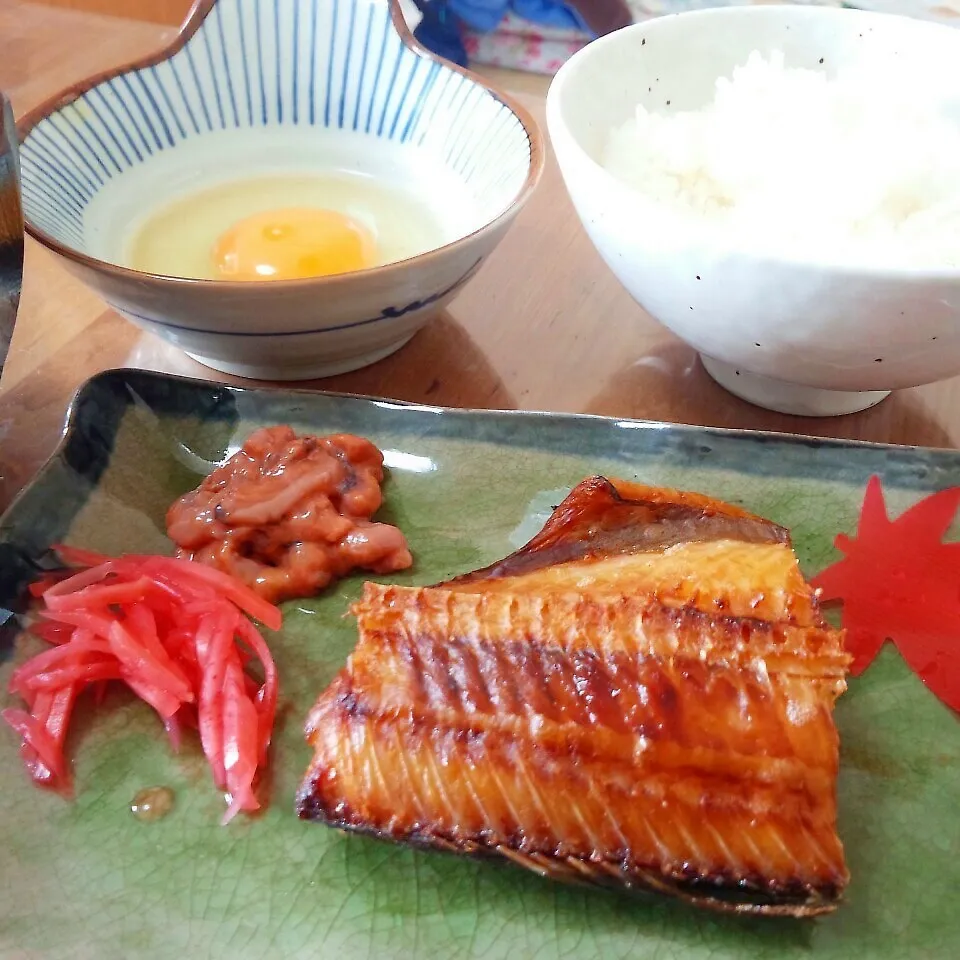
(257, 89)
(86, 879)
(808, 337)
(11, 228)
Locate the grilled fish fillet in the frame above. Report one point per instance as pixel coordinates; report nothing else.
(641, 696)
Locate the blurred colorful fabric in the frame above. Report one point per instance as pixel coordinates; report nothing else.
(447, 27)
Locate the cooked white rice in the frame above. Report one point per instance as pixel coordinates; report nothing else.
(864, 167)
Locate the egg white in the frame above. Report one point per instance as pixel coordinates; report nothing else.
(187, 197)
(178, 239)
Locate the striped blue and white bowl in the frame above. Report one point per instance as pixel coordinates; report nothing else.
(255, 88)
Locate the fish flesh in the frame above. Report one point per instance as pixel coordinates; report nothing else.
(641, 696)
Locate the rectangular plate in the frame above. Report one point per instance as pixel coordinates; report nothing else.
(86, 879)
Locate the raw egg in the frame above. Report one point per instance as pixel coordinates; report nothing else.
(290, 226)
(293, 244)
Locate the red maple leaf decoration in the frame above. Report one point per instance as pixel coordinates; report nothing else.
(900, 582)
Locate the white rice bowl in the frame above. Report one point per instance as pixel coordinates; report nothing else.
(862, 167)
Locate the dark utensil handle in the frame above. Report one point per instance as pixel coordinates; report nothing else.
(11, 227)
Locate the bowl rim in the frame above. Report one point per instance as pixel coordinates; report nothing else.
(556, 123)
(190, 26)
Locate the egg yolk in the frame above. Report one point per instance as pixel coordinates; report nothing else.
(293, 244)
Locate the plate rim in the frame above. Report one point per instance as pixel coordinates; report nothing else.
(69, 424)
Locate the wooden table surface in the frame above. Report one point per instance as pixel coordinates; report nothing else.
(543, 326)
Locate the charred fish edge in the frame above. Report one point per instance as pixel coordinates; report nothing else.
(718, 892)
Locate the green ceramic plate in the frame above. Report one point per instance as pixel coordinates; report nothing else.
(86, 879)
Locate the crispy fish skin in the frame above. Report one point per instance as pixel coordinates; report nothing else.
(642, 696)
